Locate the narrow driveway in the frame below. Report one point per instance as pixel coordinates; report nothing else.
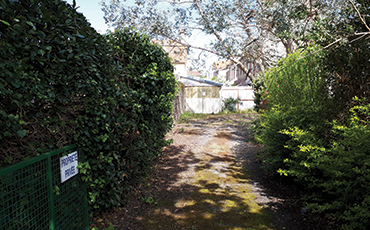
(210, 178)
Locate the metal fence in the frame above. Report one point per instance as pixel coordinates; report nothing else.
(32, 195)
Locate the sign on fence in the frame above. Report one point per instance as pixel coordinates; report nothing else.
(68, 166)
(32, 195)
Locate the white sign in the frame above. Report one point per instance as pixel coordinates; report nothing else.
(68, 166)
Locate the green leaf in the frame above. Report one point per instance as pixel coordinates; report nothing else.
(9, 159)
(5, 22)
(22, 133)
(30, 23)
(7, 134)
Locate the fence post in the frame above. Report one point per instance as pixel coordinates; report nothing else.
(50, 194)
(85, 191)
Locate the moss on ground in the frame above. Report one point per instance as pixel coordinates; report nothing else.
(219, 196)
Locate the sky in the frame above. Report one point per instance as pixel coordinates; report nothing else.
(92, 11)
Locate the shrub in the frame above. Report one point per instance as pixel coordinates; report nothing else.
(295, 96)
(337, 175)
(52, 65)
(229, 104)
(259, 90)
(329, 158)
(61, 82)
(129, 133)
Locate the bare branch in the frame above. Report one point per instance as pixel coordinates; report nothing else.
(359, 15)
(227, 48)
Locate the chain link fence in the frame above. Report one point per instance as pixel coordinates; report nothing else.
(32, 195)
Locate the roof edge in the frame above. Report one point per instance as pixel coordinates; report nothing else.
(202, 80)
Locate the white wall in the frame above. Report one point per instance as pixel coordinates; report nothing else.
(244, 93)
(203, 105)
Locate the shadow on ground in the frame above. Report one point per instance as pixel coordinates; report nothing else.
(204, 189)
(211, 179)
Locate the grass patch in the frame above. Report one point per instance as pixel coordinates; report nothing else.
(187, 117)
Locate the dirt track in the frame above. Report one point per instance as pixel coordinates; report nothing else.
(211, 178)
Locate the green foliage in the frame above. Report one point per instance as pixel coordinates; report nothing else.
(259, 90)
(295, 96)
(128, 132)
(52, 63)
(336, 175)
(303, 140)
(61, 83)
(229, 104)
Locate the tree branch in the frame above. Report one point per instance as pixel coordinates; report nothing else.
(359, 15)
(227, 48)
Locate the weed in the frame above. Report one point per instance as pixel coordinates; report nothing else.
(228, 121)
(110, 227)
(148, 199)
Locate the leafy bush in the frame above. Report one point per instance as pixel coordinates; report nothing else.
(302, 139)
(52, 64)
(130, 133)
(62, 82)
(259, 90)
(229, 104)
(337, 175)
(295, 96)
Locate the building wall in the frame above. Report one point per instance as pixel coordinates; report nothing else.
(203, 99)
(203, 92)
(243, 93)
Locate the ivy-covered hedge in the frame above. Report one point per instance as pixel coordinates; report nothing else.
(61, 82)
(121, 140)
(51, 63)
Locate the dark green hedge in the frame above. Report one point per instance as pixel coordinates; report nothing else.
(126, 138)
(61, 82)
(51, 63)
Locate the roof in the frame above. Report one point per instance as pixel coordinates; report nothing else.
(198, 82)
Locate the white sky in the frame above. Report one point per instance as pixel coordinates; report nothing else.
(92, 11)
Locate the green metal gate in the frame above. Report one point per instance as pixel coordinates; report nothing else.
(32, 195)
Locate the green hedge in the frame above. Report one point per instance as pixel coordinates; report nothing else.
(61, 82)
(51, 63)
(121, 139)
(304, 140)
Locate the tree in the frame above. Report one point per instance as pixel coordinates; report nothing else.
(298, 22)
(232, 24)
